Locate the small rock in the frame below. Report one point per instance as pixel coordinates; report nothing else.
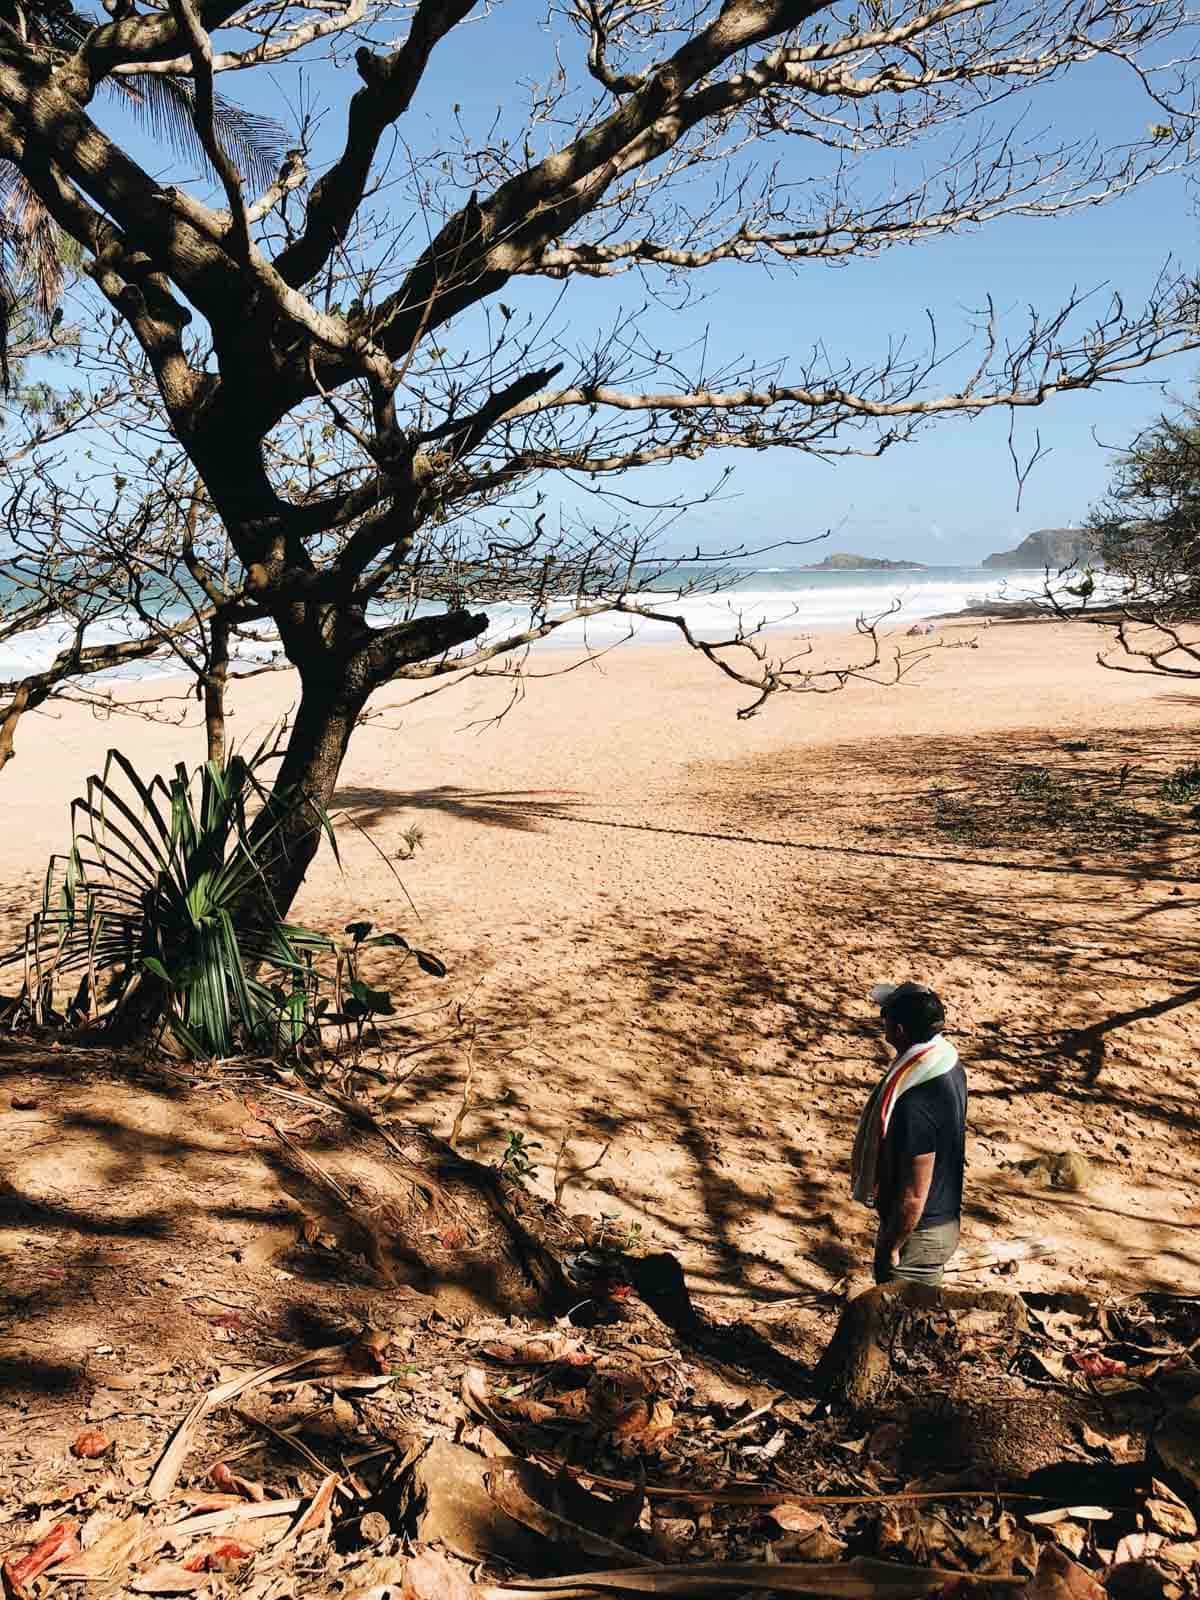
(25, 1102)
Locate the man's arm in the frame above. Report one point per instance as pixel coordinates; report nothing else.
(907, 1207)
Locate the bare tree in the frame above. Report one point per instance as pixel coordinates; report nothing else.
(123, 569)
(42, 601)
(376, 423)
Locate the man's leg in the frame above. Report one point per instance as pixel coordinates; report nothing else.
(923, 1257)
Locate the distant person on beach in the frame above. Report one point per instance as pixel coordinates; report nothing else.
(910, 1149)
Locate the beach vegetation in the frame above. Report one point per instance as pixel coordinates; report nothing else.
(517, 1158)
(1182, 788)
(1147, 529)
(1066, 811)
(138, 922)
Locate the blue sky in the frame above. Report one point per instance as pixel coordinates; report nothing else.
(948, 497)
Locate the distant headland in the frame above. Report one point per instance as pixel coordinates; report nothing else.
(1056, 548)
(843, 561)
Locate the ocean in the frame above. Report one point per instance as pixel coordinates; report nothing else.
(775, 597)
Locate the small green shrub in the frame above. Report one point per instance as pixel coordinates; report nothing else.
(1183, 786)
(1039, 783)
(517, 1161)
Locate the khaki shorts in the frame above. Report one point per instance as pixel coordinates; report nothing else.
(923, 1257)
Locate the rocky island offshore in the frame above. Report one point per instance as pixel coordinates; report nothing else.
(842, 561)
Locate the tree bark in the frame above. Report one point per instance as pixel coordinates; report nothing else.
(215, 680)
(337, 679)
(857, 1367)
(291, 823)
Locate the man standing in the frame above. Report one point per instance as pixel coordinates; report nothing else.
(910, 1149)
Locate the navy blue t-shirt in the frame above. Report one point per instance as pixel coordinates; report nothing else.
(930, 1118)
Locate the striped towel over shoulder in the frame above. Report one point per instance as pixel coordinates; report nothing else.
(920, 1063)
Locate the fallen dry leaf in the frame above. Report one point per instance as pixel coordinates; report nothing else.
(430, 1576)
(509, 1489)
(166, 1472)
(619, 1402)
(1072, 1536)
(1052, 1364)
(820, 1545)
(1049, 1519)
(232, 1483)
(220, 1556)
(106, 1555)
(314, 1515)
(90, 1445)
(1168, 1513)
(168, 1577)
(531, 1410)
(672, 1537)
(1059, 1578)
(376, 1578)
(480, 1438)
(1136, 1547)
(611, 1518)
(795, 1519)
(1186, 1555)
(61, 1541)
(1019, 1553)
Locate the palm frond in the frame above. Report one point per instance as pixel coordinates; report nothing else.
(163, 103)
(32, 261)
(150, 893)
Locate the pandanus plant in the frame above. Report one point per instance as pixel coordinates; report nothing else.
(145, 918)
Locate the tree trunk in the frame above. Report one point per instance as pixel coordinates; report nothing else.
(303, 789)
(903, 1320)
(215, 680)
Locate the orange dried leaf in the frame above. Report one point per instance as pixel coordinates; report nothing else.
(62, 1541)
(220, 1555)
(90, 1445)
(232, 1483)
(531, 1410)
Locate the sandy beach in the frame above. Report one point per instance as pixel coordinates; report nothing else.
(661, 923)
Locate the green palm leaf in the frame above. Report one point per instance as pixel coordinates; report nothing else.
(35, 253)
(147, 901)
